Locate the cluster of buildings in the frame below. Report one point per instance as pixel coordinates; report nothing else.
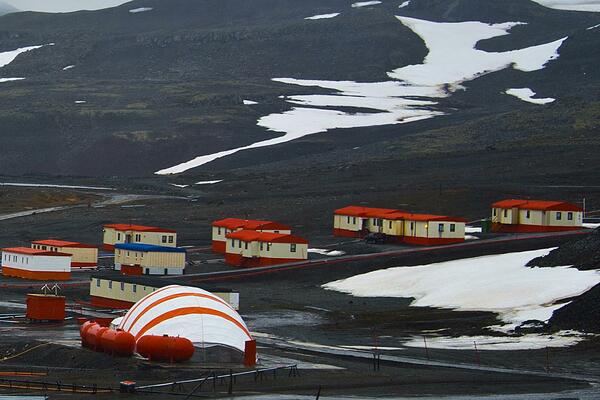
(147, 250)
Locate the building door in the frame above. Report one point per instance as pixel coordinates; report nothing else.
(127, 238)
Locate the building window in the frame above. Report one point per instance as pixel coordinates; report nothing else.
(240, 245)
(110, 284)
(441, 228)
(97, 282)
(138, 238)
(570, 216)
(494, 212)
(118, 236)
(269, 246)
(171, 239)
(348, 219)
(452, 227)
(412, 226)
(390, 224)
(293, 247)
(232, 242)
(505, 213)
(134, 288)
(528, 214)
(558, 216)
(122, 285)
(246, 245)
(164, 239)
(261, 246)
(219, 230)
(354, 220)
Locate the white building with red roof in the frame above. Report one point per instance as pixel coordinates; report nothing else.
(535, 216)
(34, 264)
(398, 226)
(246, 248)
(223, 227)
(128, 233)
(83, 256)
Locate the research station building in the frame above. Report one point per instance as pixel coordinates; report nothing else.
(252, 249)
(535, 216)
(34, 264)
(83, 256)
(223, 227)
(398, 226)
(147, 259)
(113, 290)
(127, 233)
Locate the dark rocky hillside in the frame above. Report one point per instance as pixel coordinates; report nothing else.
(583, 254)
(164, 86)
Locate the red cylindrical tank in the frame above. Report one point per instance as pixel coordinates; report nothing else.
(117, 342)
(83, 332)
(93, 335)
(165, 348)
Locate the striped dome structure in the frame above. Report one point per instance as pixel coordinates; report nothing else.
(188, 312)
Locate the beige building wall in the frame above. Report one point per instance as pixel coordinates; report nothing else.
(393, 227)
(112, 236)
(415, 228)
(131, 292)
(81, 254)
(284, 250)
(451, 230)
(347, 222)
(150, 259)
(552, 218)
(506, 215)
(536, 217)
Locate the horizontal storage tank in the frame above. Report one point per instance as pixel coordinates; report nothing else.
(113, 342)
(117, 343)
(165, 348)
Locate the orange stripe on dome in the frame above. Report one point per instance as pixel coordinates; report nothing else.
(175, 296)
(188, 311)
(139, 303)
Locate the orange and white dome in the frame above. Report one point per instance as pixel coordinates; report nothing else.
(188, 312)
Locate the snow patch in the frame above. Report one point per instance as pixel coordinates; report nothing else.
(527, 94)
(179, 186)
(393, 102)
(48, 185)
(208, 182)
(471, 237)
(500, 283)
(365, 3)
(592, 27)
(472, 229)
(524, 342)
(9, 56)
(325, 252)
(250, 102)
(323, 16)
(68, 67)
(573, 5)
(80, 101)
(141, 9)
(406, 3)
(2, 80)
(590, 225)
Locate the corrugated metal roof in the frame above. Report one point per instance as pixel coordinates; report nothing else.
(254, 236)
(62, 243)
(34, 252)
(253, 224)
(544, 205)
(138, 228)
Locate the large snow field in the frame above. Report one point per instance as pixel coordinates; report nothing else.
(9, 56)
(499, 283)
(411, 96)
(573, 5)
(49, 185)
(527, 94)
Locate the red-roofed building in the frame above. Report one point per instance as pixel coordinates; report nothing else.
(127, 233)
(248, 248)
(223, 227)
(34, 264)
(535, 216)
(398, 226)
(83, 256)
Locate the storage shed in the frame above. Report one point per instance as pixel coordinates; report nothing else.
(535, 216)
(83, 256)
(252, 249)
(113, 290)
(147, 259)
(127, 233)
(34, 264)
(223, 227)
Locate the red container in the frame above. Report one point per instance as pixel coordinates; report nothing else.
(117, 343)
(250, 353)
(165, 348)
(41, 307)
